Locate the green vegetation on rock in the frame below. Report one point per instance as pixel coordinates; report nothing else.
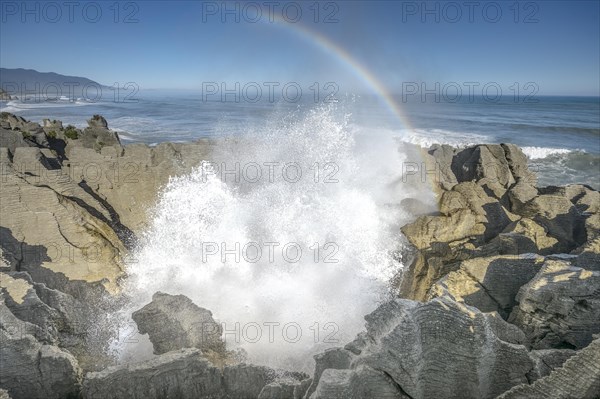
(71, 132)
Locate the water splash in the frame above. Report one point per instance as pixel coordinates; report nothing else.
(319, 236)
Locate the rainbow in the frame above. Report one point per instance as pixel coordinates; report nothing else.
(359, 70)
(343, 56)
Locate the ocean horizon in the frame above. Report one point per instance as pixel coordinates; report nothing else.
(559, 134)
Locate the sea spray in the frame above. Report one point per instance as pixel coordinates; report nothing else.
(287, 234)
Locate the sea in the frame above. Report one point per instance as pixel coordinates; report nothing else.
(559, 135)
(291, 252)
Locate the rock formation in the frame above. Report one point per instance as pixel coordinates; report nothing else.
(30, 368)
(191, 362)
(409, 343)
(578, 378)
(507, 276)
(500, 298)
(179, 374)
(174, 322)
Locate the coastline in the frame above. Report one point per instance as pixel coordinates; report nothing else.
(499, 291)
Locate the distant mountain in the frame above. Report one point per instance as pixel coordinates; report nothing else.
(19, 81)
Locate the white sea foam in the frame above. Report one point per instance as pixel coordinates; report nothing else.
(543, 152)
(427, 137)
(323, 301)
(16, 105)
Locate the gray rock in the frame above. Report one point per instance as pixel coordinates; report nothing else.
(182, 374)
(589, 255)
(529, 236)
(52, 125)
(246, 380)
(301, 388)
(467, 213)
(12, 139)
(428, 230)
(4, 394)
(489, 283)
(126, 180)
(282, 388)
(360, 383)
(19, 123)
(129, 178)
(359, 343)
(334, 358)
(560, 218)
(437, 349)
(546, 360)
(31, 369)
(472, 196)
(175, 322)
(22, 300)
(66, 320)
(520, 194)
(334, 384)
(469, 217)
(578, 378)
(95, 138)
(441, 162)
(53, 228)
(517, 162)
(17, 327)
(486, 164)
(559, 307)
(98, 121)
(40, 138)
(505, 331)
(585, 198)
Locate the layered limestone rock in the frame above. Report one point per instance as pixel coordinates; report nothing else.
(30, 368)
(559, 307)
(74, 200)
(178, 330)
(331, 359)
(359, 383)
(490, 283)
(501, 244)
(187, 374)
(130, 178)
(546, 360)
(52, 228)
(578, 378)
(436, 349)
(179, 374)
(63, 320)
(246, 380)
(489, 205)
(175, 322)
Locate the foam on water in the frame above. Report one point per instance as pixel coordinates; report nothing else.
(344, 210)
(543, 152)
(427, 137)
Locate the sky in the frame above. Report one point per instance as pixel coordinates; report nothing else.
(184, 44)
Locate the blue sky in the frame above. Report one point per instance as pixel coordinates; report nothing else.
(183, 44)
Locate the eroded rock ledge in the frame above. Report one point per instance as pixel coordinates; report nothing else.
(501, 297)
